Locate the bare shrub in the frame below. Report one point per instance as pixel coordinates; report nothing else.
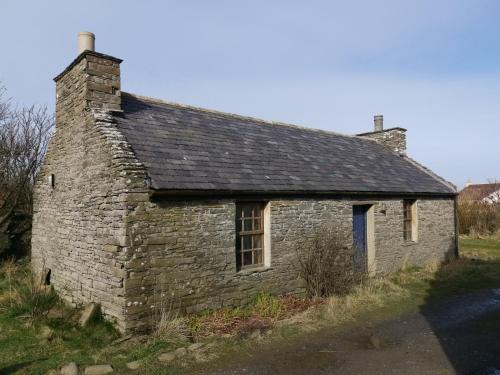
(326, 263)
(477, 217)
(24, 136)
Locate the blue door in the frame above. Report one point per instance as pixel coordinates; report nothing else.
(359, 236)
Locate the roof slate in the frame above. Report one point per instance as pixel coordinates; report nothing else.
(188, 148)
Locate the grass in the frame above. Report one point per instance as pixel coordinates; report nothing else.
(407, 290)
(25, 314)
(486, 248)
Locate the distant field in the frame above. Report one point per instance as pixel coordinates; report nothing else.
(480, 247)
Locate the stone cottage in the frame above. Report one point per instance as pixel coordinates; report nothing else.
(141, 199)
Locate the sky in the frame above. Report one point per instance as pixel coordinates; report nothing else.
(432, 67)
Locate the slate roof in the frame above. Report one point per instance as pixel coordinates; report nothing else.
(190, 149)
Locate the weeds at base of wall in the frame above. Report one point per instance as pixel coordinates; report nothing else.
(262, 314)
(267, 311)
(27, 295)
(166, 321)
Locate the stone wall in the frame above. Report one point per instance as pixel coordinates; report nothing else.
(184, 252)
(436, 234)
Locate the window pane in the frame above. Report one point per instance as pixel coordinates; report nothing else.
(247, 211)
(257, 224)
(257, 257)
(247, 225)
(247, 258)
(407, 219)
(257, 241)
(246, 242)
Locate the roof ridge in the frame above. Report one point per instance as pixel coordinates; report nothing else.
(486, 184)
(243, 117)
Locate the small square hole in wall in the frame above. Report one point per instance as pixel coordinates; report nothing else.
(113, 90)
(52, 180)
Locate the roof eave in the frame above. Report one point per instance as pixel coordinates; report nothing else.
(199, 193)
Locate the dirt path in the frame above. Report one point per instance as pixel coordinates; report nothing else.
(458, 336)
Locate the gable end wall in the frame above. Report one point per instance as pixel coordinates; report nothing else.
(79, 232)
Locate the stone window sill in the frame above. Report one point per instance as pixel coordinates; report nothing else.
(249, 271)
(410, 243)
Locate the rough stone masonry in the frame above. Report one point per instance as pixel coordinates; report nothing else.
(107, 237)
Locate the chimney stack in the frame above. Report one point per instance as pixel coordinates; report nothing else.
(91, 81)
(86, 41)
(392, 138)
(378, 121)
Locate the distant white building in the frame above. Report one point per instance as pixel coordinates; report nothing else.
(493, 197)
(487, 193)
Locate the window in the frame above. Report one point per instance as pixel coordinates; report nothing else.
(409, 220)
(249, 235)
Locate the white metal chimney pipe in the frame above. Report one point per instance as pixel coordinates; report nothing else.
(86, 41)
(378, 121)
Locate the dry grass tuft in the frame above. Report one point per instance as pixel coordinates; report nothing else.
(171, 329)
(432, 266)
(167, 324)
(373, 292)
(8, 271)
(23, 292)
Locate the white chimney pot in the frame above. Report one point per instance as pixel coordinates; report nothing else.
(86, 41)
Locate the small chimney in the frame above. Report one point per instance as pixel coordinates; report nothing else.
(86, 41)
(378, 121)
(392, 138)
